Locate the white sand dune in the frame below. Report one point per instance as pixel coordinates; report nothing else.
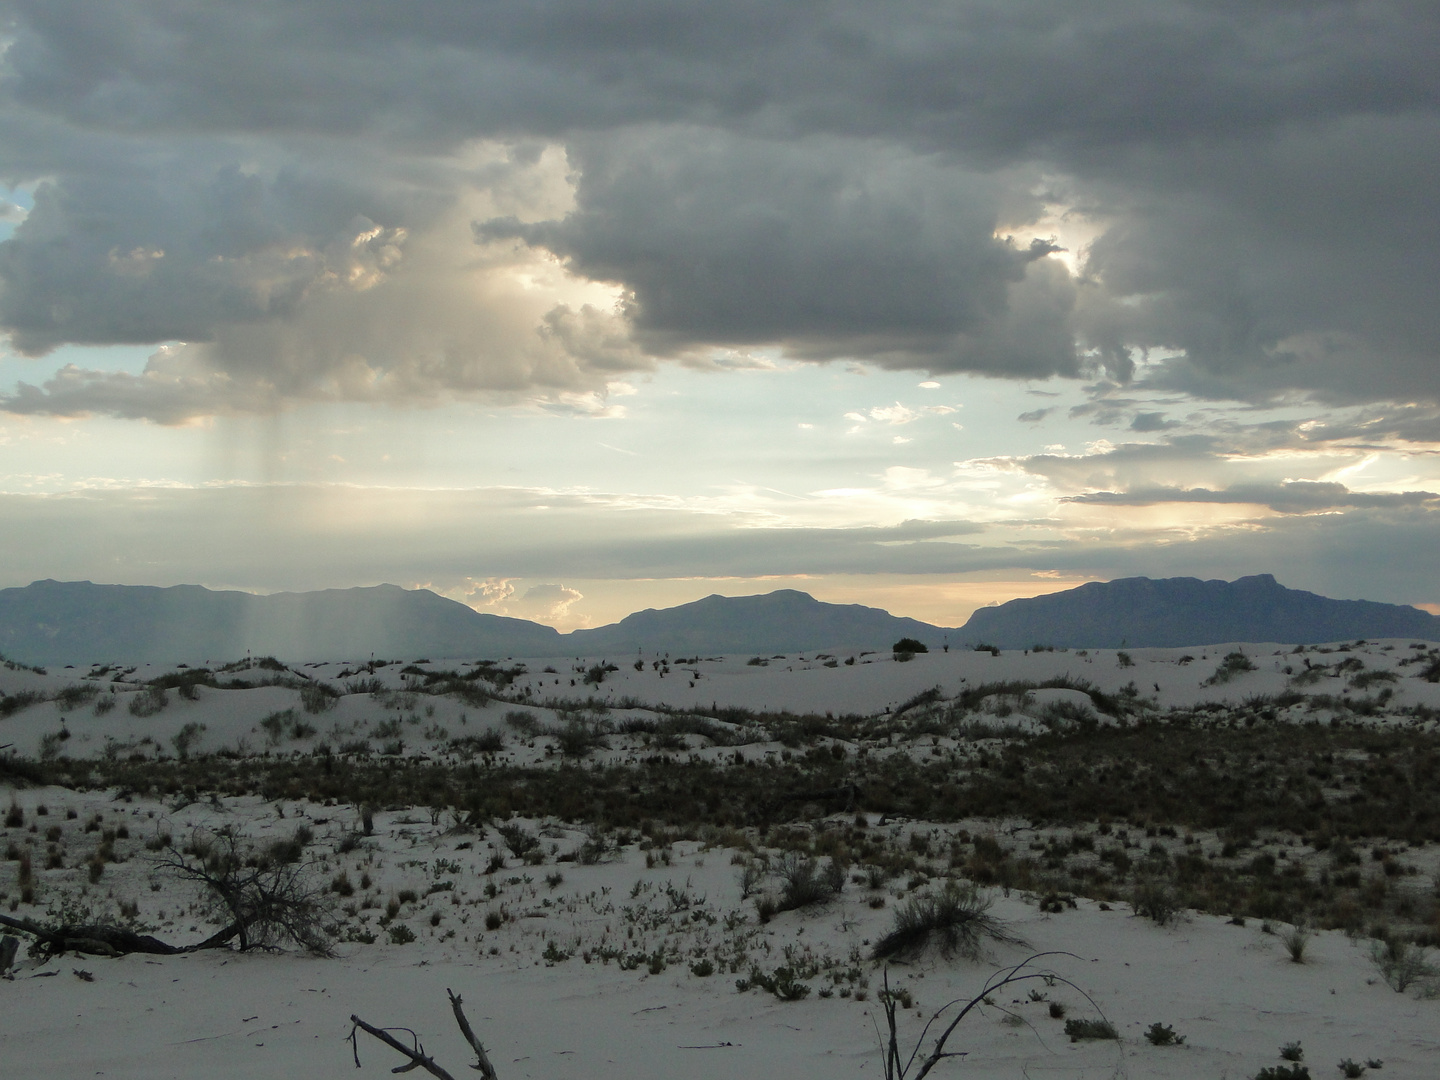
(1231, 990)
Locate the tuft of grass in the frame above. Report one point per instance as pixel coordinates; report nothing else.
(1090, 1029)
(1296, 940)
(954, 920)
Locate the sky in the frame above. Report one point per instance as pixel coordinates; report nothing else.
(566, 310)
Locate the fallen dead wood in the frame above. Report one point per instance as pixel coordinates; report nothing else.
(103, 940)
(416, 1051)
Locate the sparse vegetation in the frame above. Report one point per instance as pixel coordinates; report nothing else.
(954, 919)
(1163, 1035)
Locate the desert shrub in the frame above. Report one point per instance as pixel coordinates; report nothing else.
(523, 722)
(576, 738)
(1153, 899)
(1283, 1072)
(186, 739)
(595, 675)
(806, 881)
(924, 697)
(400, 934)
(75, 695)
(1402, 964)
(267, 901)
(1124, 659)
(1090, 1029)
(365, 686)
(1163, 1035)
(1350, 1069)
(1292, 1051)
(955, 919)
(752, 873)
(520, 842)
(317, 697)
(274, 725)
(149, 701)
(1234, 664)
(782, 982)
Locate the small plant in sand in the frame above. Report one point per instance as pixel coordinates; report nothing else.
(1296, 940)
(1283, 1072)
(1163, 1035)
(953, 920)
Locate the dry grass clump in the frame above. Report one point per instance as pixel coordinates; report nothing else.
(954, 920)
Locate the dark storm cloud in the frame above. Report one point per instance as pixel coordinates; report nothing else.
(824, 245)
(827, 177)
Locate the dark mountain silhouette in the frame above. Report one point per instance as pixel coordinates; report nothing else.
(1179, 612)
(55, 622)
(74, 622)
(781, 621)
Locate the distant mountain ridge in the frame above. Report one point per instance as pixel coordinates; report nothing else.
(1181, 612)
(55, 622)
(74, 622)
(782, 621)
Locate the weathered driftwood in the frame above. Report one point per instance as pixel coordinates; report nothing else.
(483, 1065)
(9, 945)
(101, 940)
(416, 1051)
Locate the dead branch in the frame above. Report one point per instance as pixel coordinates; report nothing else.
(416, 1052)
(897, 1067)
(483, 1066)
(417, 1056)
(103, 940)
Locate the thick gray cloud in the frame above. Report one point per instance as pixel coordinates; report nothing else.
(829, 247)
(1297, 496)
(827, 177)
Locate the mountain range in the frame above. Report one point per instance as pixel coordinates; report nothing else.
(1179, 612)
(55, 622)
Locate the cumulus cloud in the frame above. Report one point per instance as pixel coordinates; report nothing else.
(283, 187)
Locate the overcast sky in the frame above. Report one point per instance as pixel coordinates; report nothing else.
(566, 309)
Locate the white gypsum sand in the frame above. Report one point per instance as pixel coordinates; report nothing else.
(627, 965)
